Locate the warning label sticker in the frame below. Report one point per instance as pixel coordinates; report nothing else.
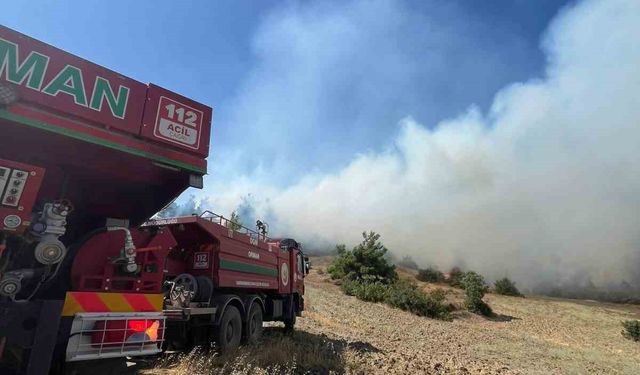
(178, 123)
(200, 261)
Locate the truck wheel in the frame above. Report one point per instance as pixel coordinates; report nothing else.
(229, 332)
(289, 324)
(254, 324)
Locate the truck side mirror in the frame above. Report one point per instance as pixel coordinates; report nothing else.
(307, 267)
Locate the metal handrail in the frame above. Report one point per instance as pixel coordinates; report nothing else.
(239, 228)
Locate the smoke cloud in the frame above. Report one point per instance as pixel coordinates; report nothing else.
(543, 186)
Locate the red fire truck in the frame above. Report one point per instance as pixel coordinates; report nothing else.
(87, 156)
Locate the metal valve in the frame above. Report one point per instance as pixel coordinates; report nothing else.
(51, 224)
(127, 253)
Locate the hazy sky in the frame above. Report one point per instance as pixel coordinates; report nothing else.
(498, 135)
(301, 86)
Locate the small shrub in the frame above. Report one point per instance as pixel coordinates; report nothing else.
(507, 287)
(402, 295)
(366, 291)
(475, 288)
(631, 329)
(407, 296)
(349, 287)
(430, 275)
(366, 262)
(455, 278)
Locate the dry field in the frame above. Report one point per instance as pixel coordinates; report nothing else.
(340, 334)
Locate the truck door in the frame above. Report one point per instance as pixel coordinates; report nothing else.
(285, 272)
(297, 263)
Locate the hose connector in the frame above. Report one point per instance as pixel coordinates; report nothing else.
(128, 252)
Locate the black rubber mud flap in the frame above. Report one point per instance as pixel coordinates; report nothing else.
(290, 312)
(32, 328)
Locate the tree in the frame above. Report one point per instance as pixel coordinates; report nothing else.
(507, 287)
(455, 277)
(341, 249)
(474, 290)
(430, 275)
(366, 262)
(189, 207)
(169, 211)
(235, 222)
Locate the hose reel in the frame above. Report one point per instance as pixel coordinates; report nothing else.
(186, 288)
(10, 285)
(50, 251)
(11, 282)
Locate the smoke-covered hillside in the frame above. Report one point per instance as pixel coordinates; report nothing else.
(543, 187)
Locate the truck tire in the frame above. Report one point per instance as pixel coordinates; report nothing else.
(229, 333)
(254, 323)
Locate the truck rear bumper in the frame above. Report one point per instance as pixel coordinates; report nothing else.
(29, 332)
(114, 335)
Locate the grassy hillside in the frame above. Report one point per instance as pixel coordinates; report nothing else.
(340, 334)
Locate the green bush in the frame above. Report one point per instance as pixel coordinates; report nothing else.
(631, 329)
(365, 273)
(366, 291)
(366, 262)
(430, 275)
(455, 278)
(506, 287)
(474, 289)
(407, 296)
(402, 295)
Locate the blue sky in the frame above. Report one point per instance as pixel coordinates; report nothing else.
(301, 86)
(500, 135)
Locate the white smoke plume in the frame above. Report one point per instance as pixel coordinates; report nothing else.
(544, 186)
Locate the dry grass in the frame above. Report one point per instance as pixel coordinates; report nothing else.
(277, 353)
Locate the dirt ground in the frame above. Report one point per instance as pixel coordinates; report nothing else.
(533, 335)
(530, 335)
